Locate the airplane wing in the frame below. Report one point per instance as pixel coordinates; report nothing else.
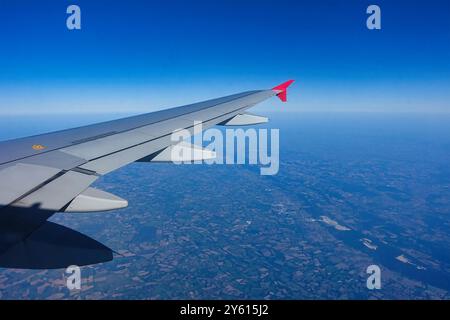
(49, 173)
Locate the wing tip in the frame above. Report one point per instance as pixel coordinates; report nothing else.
(281, 90)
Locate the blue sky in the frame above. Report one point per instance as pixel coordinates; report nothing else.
(138, 56)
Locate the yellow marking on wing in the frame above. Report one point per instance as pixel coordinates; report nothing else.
(38, 147)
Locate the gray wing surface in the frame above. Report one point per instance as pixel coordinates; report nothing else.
(43, 174)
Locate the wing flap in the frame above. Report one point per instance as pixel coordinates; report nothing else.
(181, 153)
(245, 119)
(103, 146)
(19, 179)
(119, 159)
(54, 195)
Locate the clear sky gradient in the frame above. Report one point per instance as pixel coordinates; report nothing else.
(138, 56)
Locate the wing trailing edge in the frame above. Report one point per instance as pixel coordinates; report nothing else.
(245, 119)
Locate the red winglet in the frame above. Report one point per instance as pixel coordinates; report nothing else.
(282, 90)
